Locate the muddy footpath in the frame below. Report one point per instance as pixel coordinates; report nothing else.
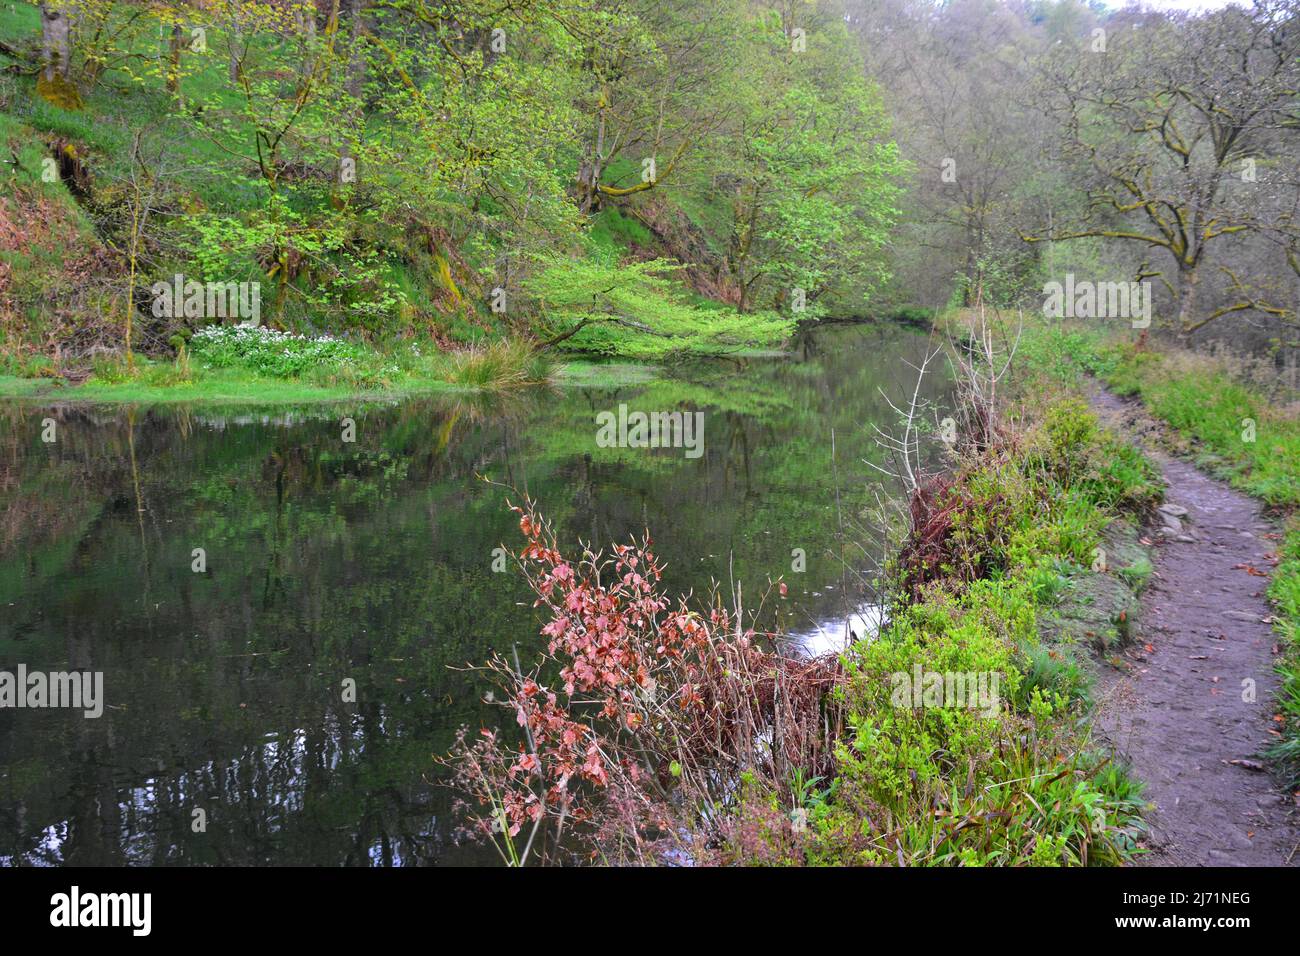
(1192, 704)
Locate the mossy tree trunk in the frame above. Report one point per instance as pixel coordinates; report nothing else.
(56, 59)
(175, 46)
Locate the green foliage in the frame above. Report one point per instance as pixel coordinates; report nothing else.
(958, 786)
(940, 783)
(816, 170)
(635, 309)
(464, 158)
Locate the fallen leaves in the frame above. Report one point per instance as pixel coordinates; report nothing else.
(1254, 765)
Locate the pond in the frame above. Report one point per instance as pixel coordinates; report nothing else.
(232, 571)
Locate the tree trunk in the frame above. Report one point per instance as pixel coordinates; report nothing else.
(174, 58)
(586, 193)
(53, 83)
(354, 85)
(592, 166)
(234, 41)
(968, 287)
(354, 10)
(56, 54)
(1187, 282)
(306, 19)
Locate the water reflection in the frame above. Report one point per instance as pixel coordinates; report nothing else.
(328, 561)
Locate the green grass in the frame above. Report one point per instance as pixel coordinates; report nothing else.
(240, 365)
(1138, 574)
(1284, 590)
(509, 363)
(495, 367)
(242, 387)
(220, 386)
(12, 386)
(613, 232)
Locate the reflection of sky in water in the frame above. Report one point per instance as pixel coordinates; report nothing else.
(832, 635)
(265, 778)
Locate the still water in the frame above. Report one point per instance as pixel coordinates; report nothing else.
(324, 560)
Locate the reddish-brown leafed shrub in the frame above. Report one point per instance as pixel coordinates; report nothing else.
(639, 718)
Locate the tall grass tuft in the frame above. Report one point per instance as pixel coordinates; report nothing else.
(500, 366)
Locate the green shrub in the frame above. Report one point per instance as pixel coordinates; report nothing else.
(934, 785)
(1051, 671)
(952, 785)
(911, 315)
(111, 370)
(35, 366)
(1120, 478)
(1071, 430)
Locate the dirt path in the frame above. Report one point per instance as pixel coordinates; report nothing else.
(1179, 712)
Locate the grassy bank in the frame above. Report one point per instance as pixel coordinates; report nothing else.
(218, 387)
(1234, 427)
(234, 365)
(1005, 555)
